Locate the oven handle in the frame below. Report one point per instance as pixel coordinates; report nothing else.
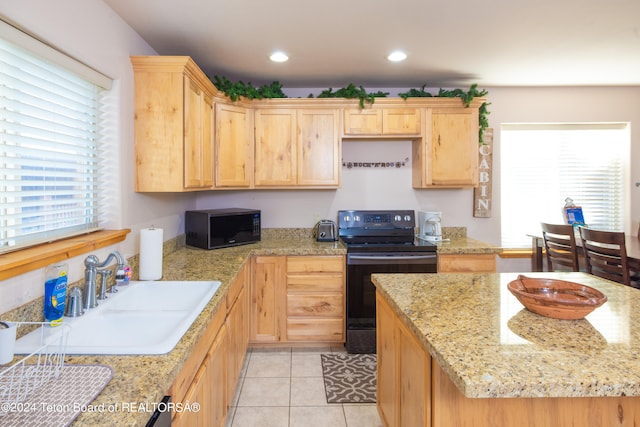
(394, 259)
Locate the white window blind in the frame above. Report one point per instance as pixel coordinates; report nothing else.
(50, 135)
(543, 164)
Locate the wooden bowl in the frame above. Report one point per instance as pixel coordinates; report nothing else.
(554, 298)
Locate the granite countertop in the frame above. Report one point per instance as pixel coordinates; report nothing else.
(141, 381)
(491, 346)
(465, 245)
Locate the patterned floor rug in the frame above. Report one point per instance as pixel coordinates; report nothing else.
(349, 378)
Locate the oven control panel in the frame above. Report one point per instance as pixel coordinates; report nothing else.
(376, 219)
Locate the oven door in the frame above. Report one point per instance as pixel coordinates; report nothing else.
(361, 293)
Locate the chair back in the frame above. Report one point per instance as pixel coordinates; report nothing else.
(606, 254)
(560, 247)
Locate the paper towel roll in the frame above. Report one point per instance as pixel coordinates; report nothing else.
(150, 254)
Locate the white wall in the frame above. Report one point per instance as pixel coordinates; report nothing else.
(91, 32)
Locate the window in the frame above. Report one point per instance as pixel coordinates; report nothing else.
(543, 164)
(50, 136)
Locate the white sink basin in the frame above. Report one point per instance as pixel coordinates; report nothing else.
(141, 318)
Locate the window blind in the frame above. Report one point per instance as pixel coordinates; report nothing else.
(49, 130)
(543, 164)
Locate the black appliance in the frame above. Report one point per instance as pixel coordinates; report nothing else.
(220, 228)
(377, 241)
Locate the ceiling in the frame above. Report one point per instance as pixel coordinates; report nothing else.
(450, 43)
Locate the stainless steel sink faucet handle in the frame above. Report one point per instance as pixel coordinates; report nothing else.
(104, 276)
(91, 266)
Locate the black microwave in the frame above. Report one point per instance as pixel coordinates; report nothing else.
(220, 228)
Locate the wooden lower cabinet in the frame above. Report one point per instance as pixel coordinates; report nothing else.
(466, 263)
(210, 374)
(403, 372)
(413, 390)
(298, 299)
(267, 315)
(208, 388)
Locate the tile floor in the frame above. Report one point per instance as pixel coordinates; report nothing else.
(284, 388)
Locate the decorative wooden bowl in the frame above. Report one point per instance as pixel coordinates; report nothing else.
(554, 298)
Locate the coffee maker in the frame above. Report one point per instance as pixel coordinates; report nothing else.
(430, 226)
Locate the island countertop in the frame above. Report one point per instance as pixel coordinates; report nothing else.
(491, 346)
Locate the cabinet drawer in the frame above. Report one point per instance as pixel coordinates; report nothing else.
(316, 282)
(478, 263)
(330, 305)
(315, 264)
(314, 329)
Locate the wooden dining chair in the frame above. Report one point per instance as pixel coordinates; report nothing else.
(560, 247)
(606, 254)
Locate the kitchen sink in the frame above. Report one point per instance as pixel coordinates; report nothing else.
(144, 317)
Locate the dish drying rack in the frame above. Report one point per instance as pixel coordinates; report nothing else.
(30, 373)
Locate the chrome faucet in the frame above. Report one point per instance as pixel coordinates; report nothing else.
(91, 266)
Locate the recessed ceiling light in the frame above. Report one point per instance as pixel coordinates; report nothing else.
(397, 56)
(279, 56)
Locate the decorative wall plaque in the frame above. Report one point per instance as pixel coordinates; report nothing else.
(482, 193)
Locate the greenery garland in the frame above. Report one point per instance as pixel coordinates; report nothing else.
(239, 89)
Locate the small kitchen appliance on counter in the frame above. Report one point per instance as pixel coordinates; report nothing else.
(430, 226)
(221, 228)
(325, 231)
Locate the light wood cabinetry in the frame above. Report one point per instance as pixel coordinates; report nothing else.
(173, 125)
(210, 374)
(466, 263)
(237, 324)
(267, 312)
(297, 299)
(203, 378)
(403, 372)
(447, 154)
(233, 146)
(315, 298)
(275, 150)
(297, 148)
(382, 121)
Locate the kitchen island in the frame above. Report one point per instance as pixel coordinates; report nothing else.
(460, 350)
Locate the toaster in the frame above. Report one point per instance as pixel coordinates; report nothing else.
(325, 231)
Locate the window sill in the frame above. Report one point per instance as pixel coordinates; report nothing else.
(25, 260)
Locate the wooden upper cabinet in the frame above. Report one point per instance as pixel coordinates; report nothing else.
(198, 137)
(297, 148)
(173, 119)
(447, 154)
(319, 148)
(382, 122)
(233, 146)
(275, 149)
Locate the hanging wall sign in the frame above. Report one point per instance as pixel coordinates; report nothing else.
(482, 193)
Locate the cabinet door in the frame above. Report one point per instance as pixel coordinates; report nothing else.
(318, 148)
(217, 379)
(267, 312)
(453, 142)
(275, 149)
(193, 144)
(362, 121)
(415, 380)
(401, 121)
(207, 162)
(234, 146)
(388, 395)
